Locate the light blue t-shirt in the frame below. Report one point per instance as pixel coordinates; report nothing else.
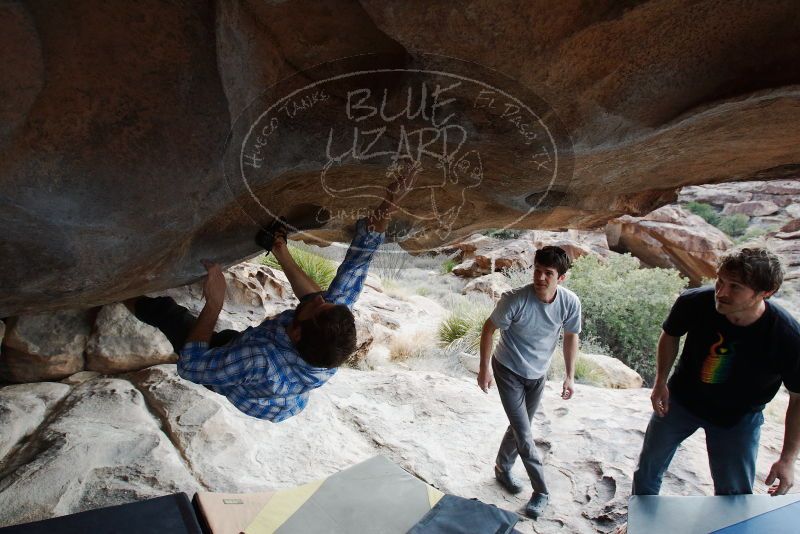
(530, 328)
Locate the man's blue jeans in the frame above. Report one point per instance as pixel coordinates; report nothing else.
(732, 451)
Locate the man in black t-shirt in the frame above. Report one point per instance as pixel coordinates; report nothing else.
(739, 349)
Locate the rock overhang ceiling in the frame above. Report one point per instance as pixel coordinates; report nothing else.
(120, 123)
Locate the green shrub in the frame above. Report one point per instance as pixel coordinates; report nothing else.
(734, 225)
(503, 233)
(756, 234)
(448, 265)
(464, 324)
(624, 306)
(585, 371)
(592, 345)
(270, 261)
(320, 269)
(453, 327)
(706, 211)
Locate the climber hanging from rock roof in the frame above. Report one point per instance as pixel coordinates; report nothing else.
(268, 371)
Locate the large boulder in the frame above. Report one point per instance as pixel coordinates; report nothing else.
(254, 292)
(576, 243)
(100, 446)
(45, 346)
(791, 226)
(793, 210)
(23, 408)
(597, 370)
(609, 372)
(387, 311)
(782, 201)
(114, 122)
(494, 255)
(751, 198)
(670, 237)
(754, 208)
(777, 188)
(481, 255)
(493, 285)
(120, 342)
(717, 194)
(787, 245)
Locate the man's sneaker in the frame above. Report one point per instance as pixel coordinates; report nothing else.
(536, 505)
(507, 480)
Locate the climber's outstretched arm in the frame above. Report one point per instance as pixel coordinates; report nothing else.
(301, 283)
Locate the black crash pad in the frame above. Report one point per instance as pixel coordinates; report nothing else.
(171, 513)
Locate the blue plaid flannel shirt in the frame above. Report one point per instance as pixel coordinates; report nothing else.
(260, 371)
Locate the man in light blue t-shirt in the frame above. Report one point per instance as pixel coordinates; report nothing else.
(530, 319)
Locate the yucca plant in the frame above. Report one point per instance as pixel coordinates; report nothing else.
(320, 269)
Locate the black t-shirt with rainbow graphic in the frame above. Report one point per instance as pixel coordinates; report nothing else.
(726, 371)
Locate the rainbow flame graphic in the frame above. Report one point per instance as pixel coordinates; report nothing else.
(717, 365)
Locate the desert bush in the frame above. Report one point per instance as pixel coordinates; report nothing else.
(734, 225)
(464, 323)
(624, 306)
(320, 269)
(755, 235)
(429, 261)
(417, 345)
(706, 211)
(448, 265)
(585, 371)
(503, 233)
(422, 291)
(389, 261)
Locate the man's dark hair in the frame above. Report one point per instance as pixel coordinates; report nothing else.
(328, 339)
(757, 268)
(553, 257)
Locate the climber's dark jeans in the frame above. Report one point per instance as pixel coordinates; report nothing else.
(175, 321)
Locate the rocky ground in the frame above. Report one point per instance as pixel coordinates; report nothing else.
(98, 441)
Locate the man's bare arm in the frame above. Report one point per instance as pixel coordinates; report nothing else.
(791, 439)
(783, 469)
(301, 283)
(214, 292)
(485, 374)
(667, 352)
(204, 327)
(571, 342)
